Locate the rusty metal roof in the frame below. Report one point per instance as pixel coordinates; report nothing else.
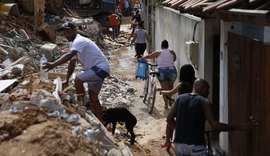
(224, 8)
(207, 6)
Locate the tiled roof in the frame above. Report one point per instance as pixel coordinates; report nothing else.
(210, 6)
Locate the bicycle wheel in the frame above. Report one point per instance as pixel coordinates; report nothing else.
(152, 98)
(145, 90)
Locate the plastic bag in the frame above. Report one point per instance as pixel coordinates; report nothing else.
(130, 48)
(142, 70)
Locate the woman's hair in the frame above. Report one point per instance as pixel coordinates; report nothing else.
(185, 87)
(141, 23)
(187, 74)
(164, 44)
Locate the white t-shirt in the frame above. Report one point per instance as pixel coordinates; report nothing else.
(89, 54)
(141, 35)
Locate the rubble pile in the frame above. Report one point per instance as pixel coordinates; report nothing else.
(116, 92)
(38, 116)
(19, 44)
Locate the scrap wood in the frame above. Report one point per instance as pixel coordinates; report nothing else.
(7, 46)
(18, 63)
(69, 12)
(3, 51)
(21, 60)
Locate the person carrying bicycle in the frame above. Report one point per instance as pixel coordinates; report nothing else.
(165, 59)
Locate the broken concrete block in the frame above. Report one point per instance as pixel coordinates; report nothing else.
(24, 34)
(16, 53)
(48, 50)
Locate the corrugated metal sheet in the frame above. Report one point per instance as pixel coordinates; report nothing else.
(215, 5)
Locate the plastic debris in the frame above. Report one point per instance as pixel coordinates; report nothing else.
(73, 118)
(75, 130)
(14, 110)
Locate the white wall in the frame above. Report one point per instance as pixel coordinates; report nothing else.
(223, 93)
(178, 28)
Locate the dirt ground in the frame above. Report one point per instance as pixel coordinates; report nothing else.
(33, 133)
(150, 129)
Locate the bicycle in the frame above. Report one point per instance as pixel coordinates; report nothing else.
(210, 150)
(150, 87)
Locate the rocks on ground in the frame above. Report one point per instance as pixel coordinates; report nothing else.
(37, 117)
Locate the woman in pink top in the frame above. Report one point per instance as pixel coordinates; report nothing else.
(167, 72)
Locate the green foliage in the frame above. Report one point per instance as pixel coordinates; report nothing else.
(156, 2)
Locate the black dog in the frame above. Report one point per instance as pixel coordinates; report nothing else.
(120, 114)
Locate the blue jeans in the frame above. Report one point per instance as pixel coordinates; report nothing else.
(190, 150)
(167, 74)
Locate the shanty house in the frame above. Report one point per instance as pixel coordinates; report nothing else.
(227, 41)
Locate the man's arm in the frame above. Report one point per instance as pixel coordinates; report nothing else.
(61, 60)
(218, 126)
(133, 39)
(71, 67)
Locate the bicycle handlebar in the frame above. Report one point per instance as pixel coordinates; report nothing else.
(152, 65)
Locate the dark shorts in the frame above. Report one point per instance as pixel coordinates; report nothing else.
(140, 48)
(167, 74)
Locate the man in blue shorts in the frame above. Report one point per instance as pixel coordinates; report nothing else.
(96, 66)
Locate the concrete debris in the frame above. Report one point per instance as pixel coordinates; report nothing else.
(48, 49)
(26, 101)
(116, 92)
(43, 99)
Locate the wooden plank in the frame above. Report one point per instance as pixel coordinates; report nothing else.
(174, 1)
(192, 3)
(248, 12)
(227, 4)
(176, 4)
(213, 5)
(201, 3)
(257, 18)
(186, 2)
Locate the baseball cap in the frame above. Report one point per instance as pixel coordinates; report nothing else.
(67, 25)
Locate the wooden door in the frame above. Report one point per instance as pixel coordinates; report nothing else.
(239, 60)
(260, 99)
(249, 94)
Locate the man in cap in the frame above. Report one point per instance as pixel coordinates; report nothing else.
(96, 66)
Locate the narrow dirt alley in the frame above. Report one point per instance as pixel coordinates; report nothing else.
(150, 129)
